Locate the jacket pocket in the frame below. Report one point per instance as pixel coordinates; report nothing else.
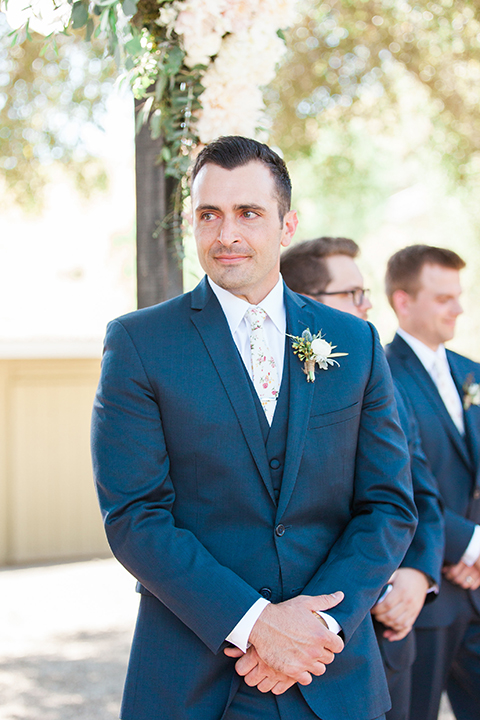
(336, 416)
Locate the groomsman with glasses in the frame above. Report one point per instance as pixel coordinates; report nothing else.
(312, 268)
(423, 287)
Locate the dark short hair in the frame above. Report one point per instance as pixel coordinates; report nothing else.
(303, 265)
(404, 268)
(232, 151)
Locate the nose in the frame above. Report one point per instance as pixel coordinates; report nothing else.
(228, 232)
(457, 308)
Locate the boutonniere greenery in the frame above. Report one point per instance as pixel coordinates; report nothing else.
(471, 392)
(313, 349)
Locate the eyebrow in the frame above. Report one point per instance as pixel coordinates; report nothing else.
(244, 206)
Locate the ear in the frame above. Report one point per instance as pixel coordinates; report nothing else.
(401, 303)
(290, 222)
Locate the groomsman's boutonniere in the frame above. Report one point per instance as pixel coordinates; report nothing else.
(471, 392)
(314, 349)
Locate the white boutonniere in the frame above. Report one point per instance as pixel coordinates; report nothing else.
(471, 392)
(314, 349)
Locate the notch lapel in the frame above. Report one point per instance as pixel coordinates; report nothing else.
(299, 399)
(429, 390)
(468, 417)
(210, 321)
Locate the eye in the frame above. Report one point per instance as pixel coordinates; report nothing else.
(207, 216)
(249, 214)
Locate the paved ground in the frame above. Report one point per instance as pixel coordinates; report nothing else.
(65, 631)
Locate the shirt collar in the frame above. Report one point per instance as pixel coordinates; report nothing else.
(235, 308)
(426, 355)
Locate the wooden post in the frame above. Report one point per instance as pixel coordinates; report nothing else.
(159, 264)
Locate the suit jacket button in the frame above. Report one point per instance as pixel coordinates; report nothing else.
(274, 463)
(280, 530)
(476, 494)
(266, 593)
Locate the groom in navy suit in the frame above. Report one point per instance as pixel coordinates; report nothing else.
(261, 508)
(423, 287)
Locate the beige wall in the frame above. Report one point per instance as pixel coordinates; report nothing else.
(48, 508)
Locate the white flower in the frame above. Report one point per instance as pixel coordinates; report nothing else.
(321, 348)
(43, 16)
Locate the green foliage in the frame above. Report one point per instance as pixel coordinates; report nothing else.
(346, 60)
(48, 97)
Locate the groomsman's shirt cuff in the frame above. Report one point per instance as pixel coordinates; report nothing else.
(241, 632)
(472, 553)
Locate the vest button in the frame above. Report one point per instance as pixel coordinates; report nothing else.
(266, 593)
(274, 463)
(476, 493)
(280, 530)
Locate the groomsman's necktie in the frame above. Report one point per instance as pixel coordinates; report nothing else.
(264, 370)
(448, 392)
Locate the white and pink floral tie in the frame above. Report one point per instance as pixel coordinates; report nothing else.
(264, 370)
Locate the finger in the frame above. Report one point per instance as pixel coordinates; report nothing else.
(266, 685)
(326, 602)
(393, 636)
(326, 656)
(282, 687)
(255, 677)
(304, 678)
(246, 664)
(318, 668)
(233, 652)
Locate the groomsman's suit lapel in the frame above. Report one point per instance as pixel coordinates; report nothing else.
(471, 431)
(212, 325)
(429, 390)
(300, 397)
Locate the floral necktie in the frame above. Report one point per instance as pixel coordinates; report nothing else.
(264, 370)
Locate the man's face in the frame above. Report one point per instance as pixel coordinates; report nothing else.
(345, 276)
(431, 314)
(238, 230)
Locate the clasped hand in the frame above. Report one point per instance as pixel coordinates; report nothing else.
(399, 610)
(289, 644)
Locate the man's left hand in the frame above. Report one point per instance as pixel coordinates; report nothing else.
(464, 575)
(402, 605)
(257, 673)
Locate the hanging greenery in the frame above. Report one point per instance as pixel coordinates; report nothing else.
(198, 67)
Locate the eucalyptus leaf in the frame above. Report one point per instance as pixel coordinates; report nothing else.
(129, 7)
(134, 46)
(79, 15)
(156, 124)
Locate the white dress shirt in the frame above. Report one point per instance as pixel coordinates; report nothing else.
(429, 358)
(274, 327)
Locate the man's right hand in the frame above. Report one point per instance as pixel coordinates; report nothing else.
(292, 640)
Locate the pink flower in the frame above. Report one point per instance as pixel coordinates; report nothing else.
(265, 385)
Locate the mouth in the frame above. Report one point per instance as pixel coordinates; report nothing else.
(230, 259)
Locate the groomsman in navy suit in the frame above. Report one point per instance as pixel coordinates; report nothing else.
(325, 269)
(260, 502)
(423, 287)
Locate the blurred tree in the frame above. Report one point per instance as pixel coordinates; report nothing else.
(48, 102)
(347, 59)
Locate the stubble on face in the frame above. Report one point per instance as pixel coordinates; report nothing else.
(237, 228)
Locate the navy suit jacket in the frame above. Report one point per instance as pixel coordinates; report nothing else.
(454, 461)
(185, 488)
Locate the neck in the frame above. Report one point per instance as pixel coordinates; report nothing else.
(418, 336)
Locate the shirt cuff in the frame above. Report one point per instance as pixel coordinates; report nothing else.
(241, 632)
(472, 553)
(332, 624)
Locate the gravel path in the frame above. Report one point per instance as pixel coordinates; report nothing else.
(65, 633)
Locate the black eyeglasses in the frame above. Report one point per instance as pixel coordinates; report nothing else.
(358, 295)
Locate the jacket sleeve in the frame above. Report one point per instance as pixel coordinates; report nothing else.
(427, 547)
(131, 469)
(383, 515)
